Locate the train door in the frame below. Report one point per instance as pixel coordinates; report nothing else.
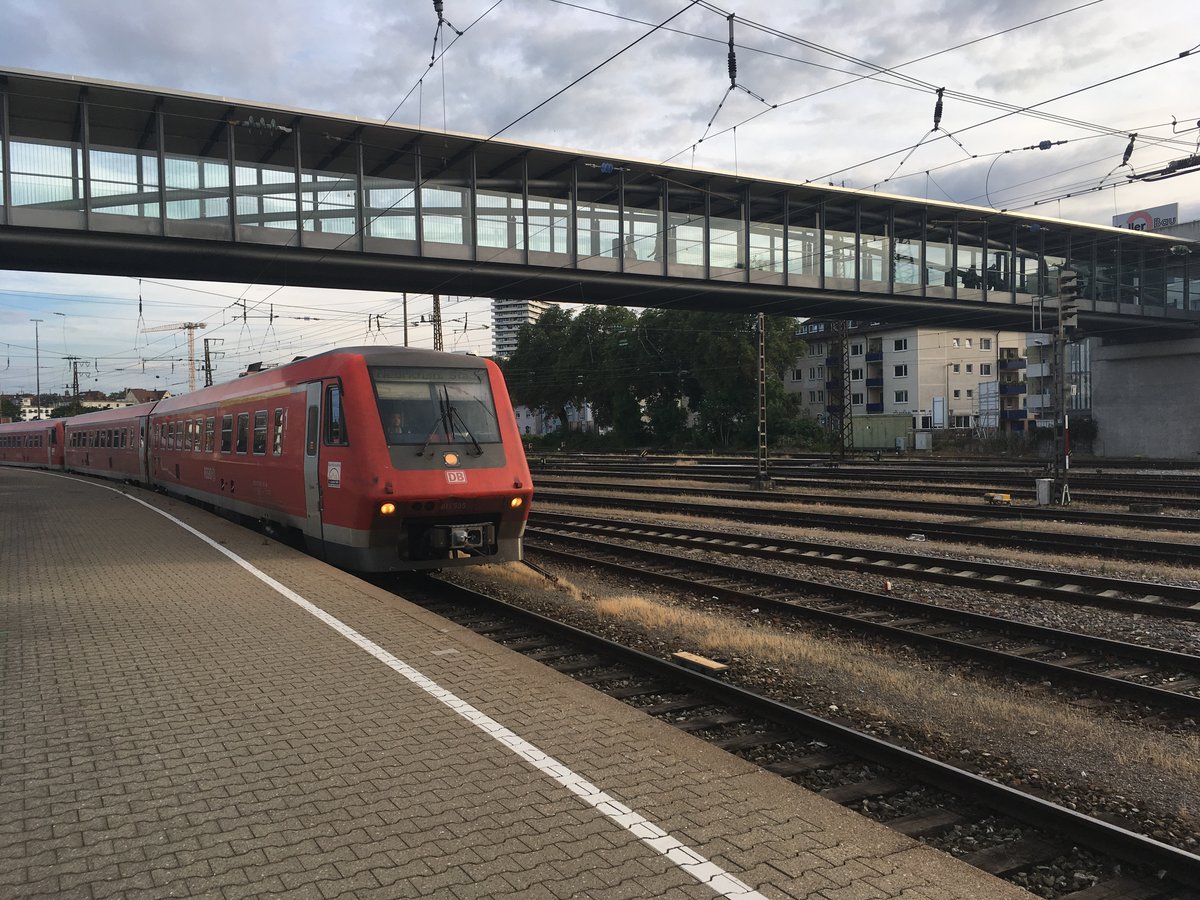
(51, 445)
(312, 462)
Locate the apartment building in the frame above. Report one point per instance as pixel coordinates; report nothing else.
(507, 318)
(932, 375)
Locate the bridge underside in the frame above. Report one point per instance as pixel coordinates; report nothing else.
(116, 179)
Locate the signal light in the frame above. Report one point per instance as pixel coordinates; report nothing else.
(1068, 297)
(387, 509)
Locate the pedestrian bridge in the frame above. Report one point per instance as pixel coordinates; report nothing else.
(116, 179)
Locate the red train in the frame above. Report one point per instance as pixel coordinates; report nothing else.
(383, 458)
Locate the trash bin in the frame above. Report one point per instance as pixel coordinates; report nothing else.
(1044, 488)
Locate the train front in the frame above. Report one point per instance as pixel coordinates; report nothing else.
(459, 489)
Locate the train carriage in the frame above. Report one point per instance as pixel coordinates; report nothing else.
(384, 458)
(35, 444)
(110, 443)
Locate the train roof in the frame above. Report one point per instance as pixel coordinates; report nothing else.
(27, 425)
(105, 416)
(279, 378)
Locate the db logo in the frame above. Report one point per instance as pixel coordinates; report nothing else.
(456, 477)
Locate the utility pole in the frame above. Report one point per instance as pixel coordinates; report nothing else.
(437, 322)
(763, 480)
(74, 361)
(1068, 320)
(37, 365)
(405, 300)
(840, 408)
(208, 367)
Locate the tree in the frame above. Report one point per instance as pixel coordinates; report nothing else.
(9, 408)
(537, 372)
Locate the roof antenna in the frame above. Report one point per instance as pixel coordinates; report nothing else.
(733, 85)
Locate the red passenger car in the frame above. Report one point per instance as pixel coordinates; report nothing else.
(110, 443)
(36, 444)
(384, 458)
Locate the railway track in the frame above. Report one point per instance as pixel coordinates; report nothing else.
(1015, 834)
(1160, 600)
(1066, 544)
(1164, 679)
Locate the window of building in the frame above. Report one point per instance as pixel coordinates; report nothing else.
(970, 392)
(900, 344)
(226, 433)
(900, 371)
(901, 396)
(926, 422)
(955, 368)
(985, 368)
(243, 432)
(970, 367)
(277, 445)
(856, 399)
(957, 394)
(856, 349)
(968, 343)
(820, 396)
(954, 343)
(797, 374)
(985, 343)
(856, 374)
(260, 432)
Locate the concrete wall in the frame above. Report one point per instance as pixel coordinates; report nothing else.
(1146, 399)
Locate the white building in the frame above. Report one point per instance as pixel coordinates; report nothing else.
(932, 375)
(507, 318)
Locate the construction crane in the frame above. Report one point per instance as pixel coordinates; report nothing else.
(190, 328)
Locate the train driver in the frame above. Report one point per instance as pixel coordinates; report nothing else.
(395, 428)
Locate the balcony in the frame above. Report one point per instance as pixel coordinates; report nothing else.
(1014, 389)
(1011, 365)
(874, 382)
(874, 356)
(833, 361)
(1013, 415)
(834, 385)
(874, 408)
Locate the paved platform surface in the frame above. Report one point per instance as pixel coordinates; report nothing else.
(173, 725)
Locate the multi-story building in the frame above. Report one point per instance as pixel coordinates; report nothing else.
(507, 318)
(932, 375)
(1042, 384)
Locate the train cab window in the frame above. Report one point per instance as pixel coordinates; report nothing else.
(335, 419)
(243, 431)
(210, 426)
(277, 436)
(226, 433)
(419, 405)
(260, 432)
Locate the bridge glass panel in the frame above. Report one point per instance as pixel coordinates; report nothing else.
(1157, 281)
(1032, 278)
(999, 262)
(446, 207)
(939, 257)
(726, 229)
(804, 242)
(1104, 289)
(767, 213)
(550, 215)
(598, 219)
(389, 199)
(875, 246)
(972, 259)
(685, 230)
(1132, 279)
(196, 187)
(643, 224)
(123, 169)
(910, 236)
(46, 161)
(266, 190)
(841, 250)
(328, 188)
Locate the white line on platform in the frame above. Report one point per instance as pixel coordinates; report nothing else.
(684, 857)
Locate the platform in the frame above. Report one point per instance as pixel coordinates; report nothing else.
(179, 722)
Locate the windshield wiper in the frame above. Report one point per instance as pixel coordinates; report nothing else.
(455, 414)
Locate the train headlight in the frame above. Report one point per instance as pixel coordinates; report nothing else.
(516, 502)
(450, 459)
(387, 509)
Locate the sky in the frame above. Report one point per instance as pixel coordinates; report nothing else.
(841, 91)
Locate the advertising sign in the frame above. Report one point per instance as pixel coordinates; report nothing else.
(1152, 219)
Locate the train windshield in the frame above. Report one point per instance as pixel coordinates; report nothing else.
(424, 406)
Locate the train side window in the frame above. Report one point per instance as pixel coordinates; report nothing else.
(53, 438)
(171, 435)
(335, 422)
(260, 432)
(198, 442)
(243, 431)
(210, 426)
(277, 445)
(189, 432)
(161, 436)
(226, 433)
